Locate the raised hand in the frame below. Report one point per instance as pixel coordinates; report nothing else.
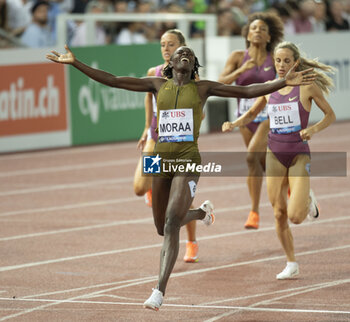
(249, 64)
(142, 142)
(303, 77)
(67, 58)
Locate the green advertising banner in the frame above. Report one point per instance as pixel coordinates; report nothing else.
(103, 114)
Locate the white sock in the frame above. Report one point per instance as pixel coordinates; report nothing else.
(292, 264)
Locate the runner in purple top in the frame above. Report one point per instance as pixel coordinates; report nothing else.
(288, 154)
(262, 32)
(170, 41)
(259, 74)
(284, 139)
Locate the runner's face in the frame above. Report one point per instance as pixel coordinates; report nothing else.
(258, 32)
(284, 61)
(183, 59)
(168, 44)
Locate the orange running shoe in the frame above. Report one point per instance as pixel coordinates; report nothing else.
(191, 252)
(148, 198)
(252, 221)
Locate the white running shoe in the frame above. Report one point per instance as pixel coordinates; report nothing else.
(313, 209)
(208, 207)
(154, 301)
(290, 271)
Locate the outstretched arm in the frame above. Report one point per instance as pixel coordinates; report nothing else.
(145, 84)
(247, 117)
(250, 91)
(292, 78)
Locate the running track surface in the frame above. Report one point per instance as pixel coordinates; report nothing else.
(77, 245)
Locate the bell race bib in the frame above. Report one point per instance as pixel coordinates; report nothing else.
(284, 117)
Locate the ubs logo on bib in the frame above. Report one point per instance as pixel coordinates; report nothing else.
(165, 114)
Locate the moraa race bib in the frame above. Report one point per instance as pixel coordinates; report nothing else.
(176, 125)
(284, 118)
(246, 103)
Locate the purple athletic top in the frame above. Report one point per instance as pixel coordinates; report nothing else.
(159, 70)
(152, 133)
(287, 117)
(258, 74)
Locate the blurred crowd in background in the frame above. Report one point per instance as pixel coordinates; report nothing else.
(32, 23)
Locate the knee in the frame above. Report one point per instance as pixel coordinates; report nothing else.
(160, 230)
(159, 224)
(296, 217)
(280, 216)
(139, 190)
(172, 225)
(252, 159)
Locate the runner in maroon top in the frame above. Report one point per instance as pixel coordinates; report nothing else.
(288, 154)
(262, 32)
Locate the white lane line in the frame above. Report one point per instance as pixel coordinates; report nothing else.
(85, 288)
(110, 201)
(143, 221)
(149, 220)
(44, 306)
(68, 151)
(132, 199)
(174, 275)
(82, 228)
(72, 206)
(111, 252)
(232, 234)
(292, 289)
(218, 307)
(82, 166)
(310, 288)
(77, 185)
(63, 259)
(90, 149)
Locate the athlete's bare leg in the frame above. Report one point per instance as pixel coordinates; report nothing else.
(142, 184)
(191, 229)
(256, 163)
(299, 182)
(172, 199)
(277, 185)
